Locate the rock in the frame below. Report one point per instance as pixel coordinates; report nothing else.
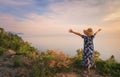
(10, 52)
(22, 73)
(26, 61)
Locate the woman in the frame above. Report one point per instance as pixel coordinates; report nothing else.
(87, 56)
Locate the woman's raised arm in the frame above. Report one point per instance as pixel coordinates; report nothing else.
(77, 33)
(97, 31)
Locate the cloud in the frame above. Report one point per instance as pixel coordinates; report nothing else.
(112, 16)
(21, 8)
(8, 19)
(11, 23)
(34, 24)
(42, 25)
(16, 2)
(75, 12)
(61, 16)
(112, 11)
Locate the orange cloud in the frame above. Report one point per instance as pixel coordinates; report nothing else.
(112, 16)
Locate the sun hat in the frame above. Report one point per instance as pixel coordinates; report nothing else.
(88, 31)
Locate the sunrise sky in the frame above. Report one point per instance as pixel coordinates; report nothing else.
(45, 23)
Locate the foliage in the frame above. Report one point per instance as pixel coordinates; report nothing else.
(47, 64)
(108, 67)
(50, 63)
(13, 41)
(2, 50)
(17, 62)
(36, 70)
(25, 49)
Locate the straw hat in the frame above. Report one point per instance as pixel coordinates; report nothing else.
(88, 31)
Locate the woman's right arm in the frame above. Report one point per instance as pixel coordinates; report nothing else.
(77, 33)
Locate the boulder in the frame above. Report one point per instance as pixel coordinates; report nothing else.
(10, 52)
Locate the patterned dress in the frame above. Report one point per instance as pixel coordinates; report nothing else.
(88, 54)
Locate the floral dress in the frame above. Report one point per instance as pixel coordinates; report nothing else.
(88, 54)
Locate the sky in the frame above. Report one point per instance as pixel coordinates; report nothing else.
(45, 23)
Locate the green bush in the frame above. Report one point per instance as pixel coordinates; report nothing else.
(36, 70)
(2, 50)
(25, 49)
(17, 61)
(77, 62)
(41, 68)
(13, 41)
(108, 67)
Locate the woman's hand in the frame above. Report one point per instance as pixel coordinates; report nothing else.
(77, 33)
(70, 30)
(99, 30)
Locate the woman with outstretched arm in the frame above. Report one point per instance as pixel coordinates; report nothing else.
(87, 56)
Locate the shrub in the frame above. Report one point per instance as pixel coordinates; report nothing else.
(12, 41)
(17, 61)
(50, 63)
(36, 71)
(109, 67)
(2, 50)
(41, 68)
(77, 62)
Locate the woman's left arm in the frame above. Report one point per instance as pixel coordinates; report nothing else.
(97, 31)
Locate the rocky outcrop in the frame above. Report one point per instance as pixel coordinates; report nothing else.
(12, 65)
(9, 52)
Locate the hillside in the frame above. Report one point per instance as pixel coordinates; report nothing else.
(13, 41)
(12, 65)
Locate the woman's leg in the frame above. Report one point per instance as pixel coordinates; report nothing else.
(88, 69)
